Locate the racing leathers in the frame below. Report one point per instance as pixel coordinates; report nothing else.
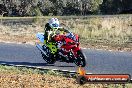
(51, 32)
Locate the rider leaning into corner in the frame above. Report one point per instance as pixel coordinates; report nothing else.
(53, 28)
(59, 40)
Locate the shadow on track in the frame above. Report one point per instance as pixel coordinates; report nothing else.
(31, 64)
(26, 63)
(65, 66)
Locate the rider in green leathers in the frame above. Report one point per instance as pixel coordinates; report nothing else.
(51, 29)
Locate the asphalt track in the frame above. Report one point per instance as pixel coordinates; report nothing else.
(98, 61)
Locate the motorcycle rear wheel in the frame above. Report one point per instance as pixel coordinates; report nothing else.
(80, 60)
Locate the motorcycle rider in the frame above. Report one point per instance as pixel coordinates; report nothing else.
(53, 28)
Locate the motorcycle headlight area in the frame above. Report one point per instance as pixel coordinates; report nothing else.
(71, 36)
(71, 43)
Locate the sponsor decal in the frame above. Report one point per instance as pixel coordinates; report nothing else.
(102, 78)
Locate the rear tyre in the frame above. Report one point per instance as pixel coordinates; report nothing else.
(50, 57)
(80, 59)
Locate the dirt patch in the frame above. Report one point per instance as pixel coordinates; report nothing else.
(105, 32)
(28, 39)
(22, 77)
(9, 79)
(31, 39)
(103, 46)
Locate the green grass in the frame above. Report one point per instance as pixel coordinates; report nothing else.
(24, 70)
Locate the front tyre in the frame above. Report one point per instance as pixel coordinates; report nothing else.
(80, 59)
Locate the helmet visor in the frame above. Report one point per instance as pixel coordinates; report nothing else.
(55, 25)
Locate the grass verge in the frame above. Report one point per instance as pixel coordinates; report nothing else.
(22, 77)
(103, 31)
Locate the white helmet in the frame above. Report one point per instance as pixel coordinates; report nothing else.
(54, 23)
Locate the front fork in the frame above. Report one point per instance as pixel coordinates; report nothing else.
(41, 49)
(73, 53)
(75, 50)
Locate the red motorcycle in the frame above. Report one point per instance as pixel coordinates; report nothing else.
(69, 51)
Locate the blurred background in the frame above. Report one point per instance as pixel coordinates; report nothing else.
(64, 7)
(99, 23)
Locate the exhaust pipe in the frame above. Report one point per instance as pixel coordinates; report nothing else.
(40, 48)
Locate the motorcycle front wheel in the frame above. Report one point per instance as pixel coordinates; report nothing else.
(80, 59)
